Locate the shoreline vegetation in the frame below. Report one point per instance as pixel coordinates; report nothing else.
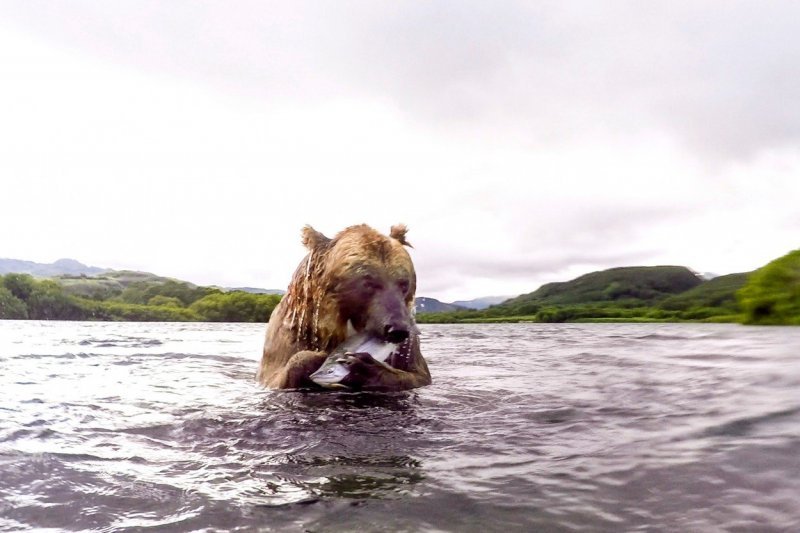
(767, 296)
(628, 294)
(127, 296)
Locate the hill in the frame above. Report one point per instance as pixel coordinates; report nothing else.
(432, 305)
(629, 285)
(46, 270)
(70, 290)
(130, 296)
(482, 303)
(113, 283)
(84, 280)
(627, 294)
(251, 290)
(716, 292)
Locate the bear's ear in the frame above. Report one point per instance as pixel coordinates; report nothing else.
(398, 232)
(312, 239)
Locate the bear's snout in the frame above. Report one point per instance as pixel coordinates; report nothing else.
(394, 320)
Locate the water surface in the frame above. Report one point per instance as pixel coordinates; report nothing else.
(607, 427)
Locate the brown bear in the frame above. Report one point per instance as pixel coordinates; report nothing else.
(358, 282)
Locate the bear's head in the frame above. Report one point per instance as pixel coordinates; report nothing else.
(360, 279)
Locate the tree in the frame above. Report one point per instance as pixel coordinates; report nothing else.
(20, 285)
(48, 302)
(168, 301)
(772, 293)
(236, 306)
(141, 292)
(11, 307)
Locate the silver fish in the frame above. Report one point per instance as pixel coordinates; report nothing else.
(335, 367)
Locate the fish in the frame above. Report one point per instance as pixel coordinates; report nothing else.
(335, 368)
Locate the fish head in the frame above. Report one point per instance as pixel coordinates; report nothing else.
(331, 373)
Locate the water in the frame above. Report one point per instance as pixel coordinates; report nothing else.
(115, 426)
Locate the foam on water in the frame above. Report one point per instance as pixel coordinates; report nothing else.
(612, 427)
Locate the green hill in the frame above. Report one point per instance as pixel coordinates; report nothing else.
(628, 286)
(716, 292)
(627, 294)
(127, 295)
(130, 285)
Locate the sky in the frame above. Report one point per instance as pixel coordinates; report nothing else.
(521, 142)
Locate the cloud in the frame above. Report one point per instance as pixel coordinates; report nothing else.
(522, 142)
(721, 81)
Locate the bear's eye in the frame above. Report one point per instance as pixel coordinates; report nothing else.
(404, 285)
(371, 284)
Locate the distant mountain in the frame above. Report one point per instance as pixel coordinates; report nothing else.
(432, 305)
(482, 303)
(78, 277)
(253, 290)
(69, 267)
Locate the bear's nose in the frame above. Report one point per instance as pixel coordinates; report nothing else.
(395, 334)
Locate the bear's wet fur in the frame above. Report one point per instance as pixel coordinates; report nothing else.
(361, 280)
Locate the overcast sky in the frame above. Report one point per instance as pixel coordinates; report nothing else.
(522, 142)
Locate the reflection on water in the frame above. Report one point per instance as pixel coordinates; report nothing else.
(114, 426)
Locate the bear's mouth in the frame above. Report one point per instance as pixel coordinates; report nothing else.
(395, 335)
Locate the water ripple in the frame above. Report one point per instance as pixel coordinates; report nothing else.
(113, 427)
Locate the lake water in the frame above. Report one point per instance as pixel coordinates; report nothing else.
(606, 427)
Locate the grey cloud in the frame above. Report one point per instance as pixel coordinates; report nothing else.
(547, 244)
(449, 269)
(588, 228)
(457, 273)
(720, 78)
(547, 265)
(262, 48)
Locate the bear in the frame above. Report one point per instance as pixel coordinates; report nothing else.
(360, 281)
